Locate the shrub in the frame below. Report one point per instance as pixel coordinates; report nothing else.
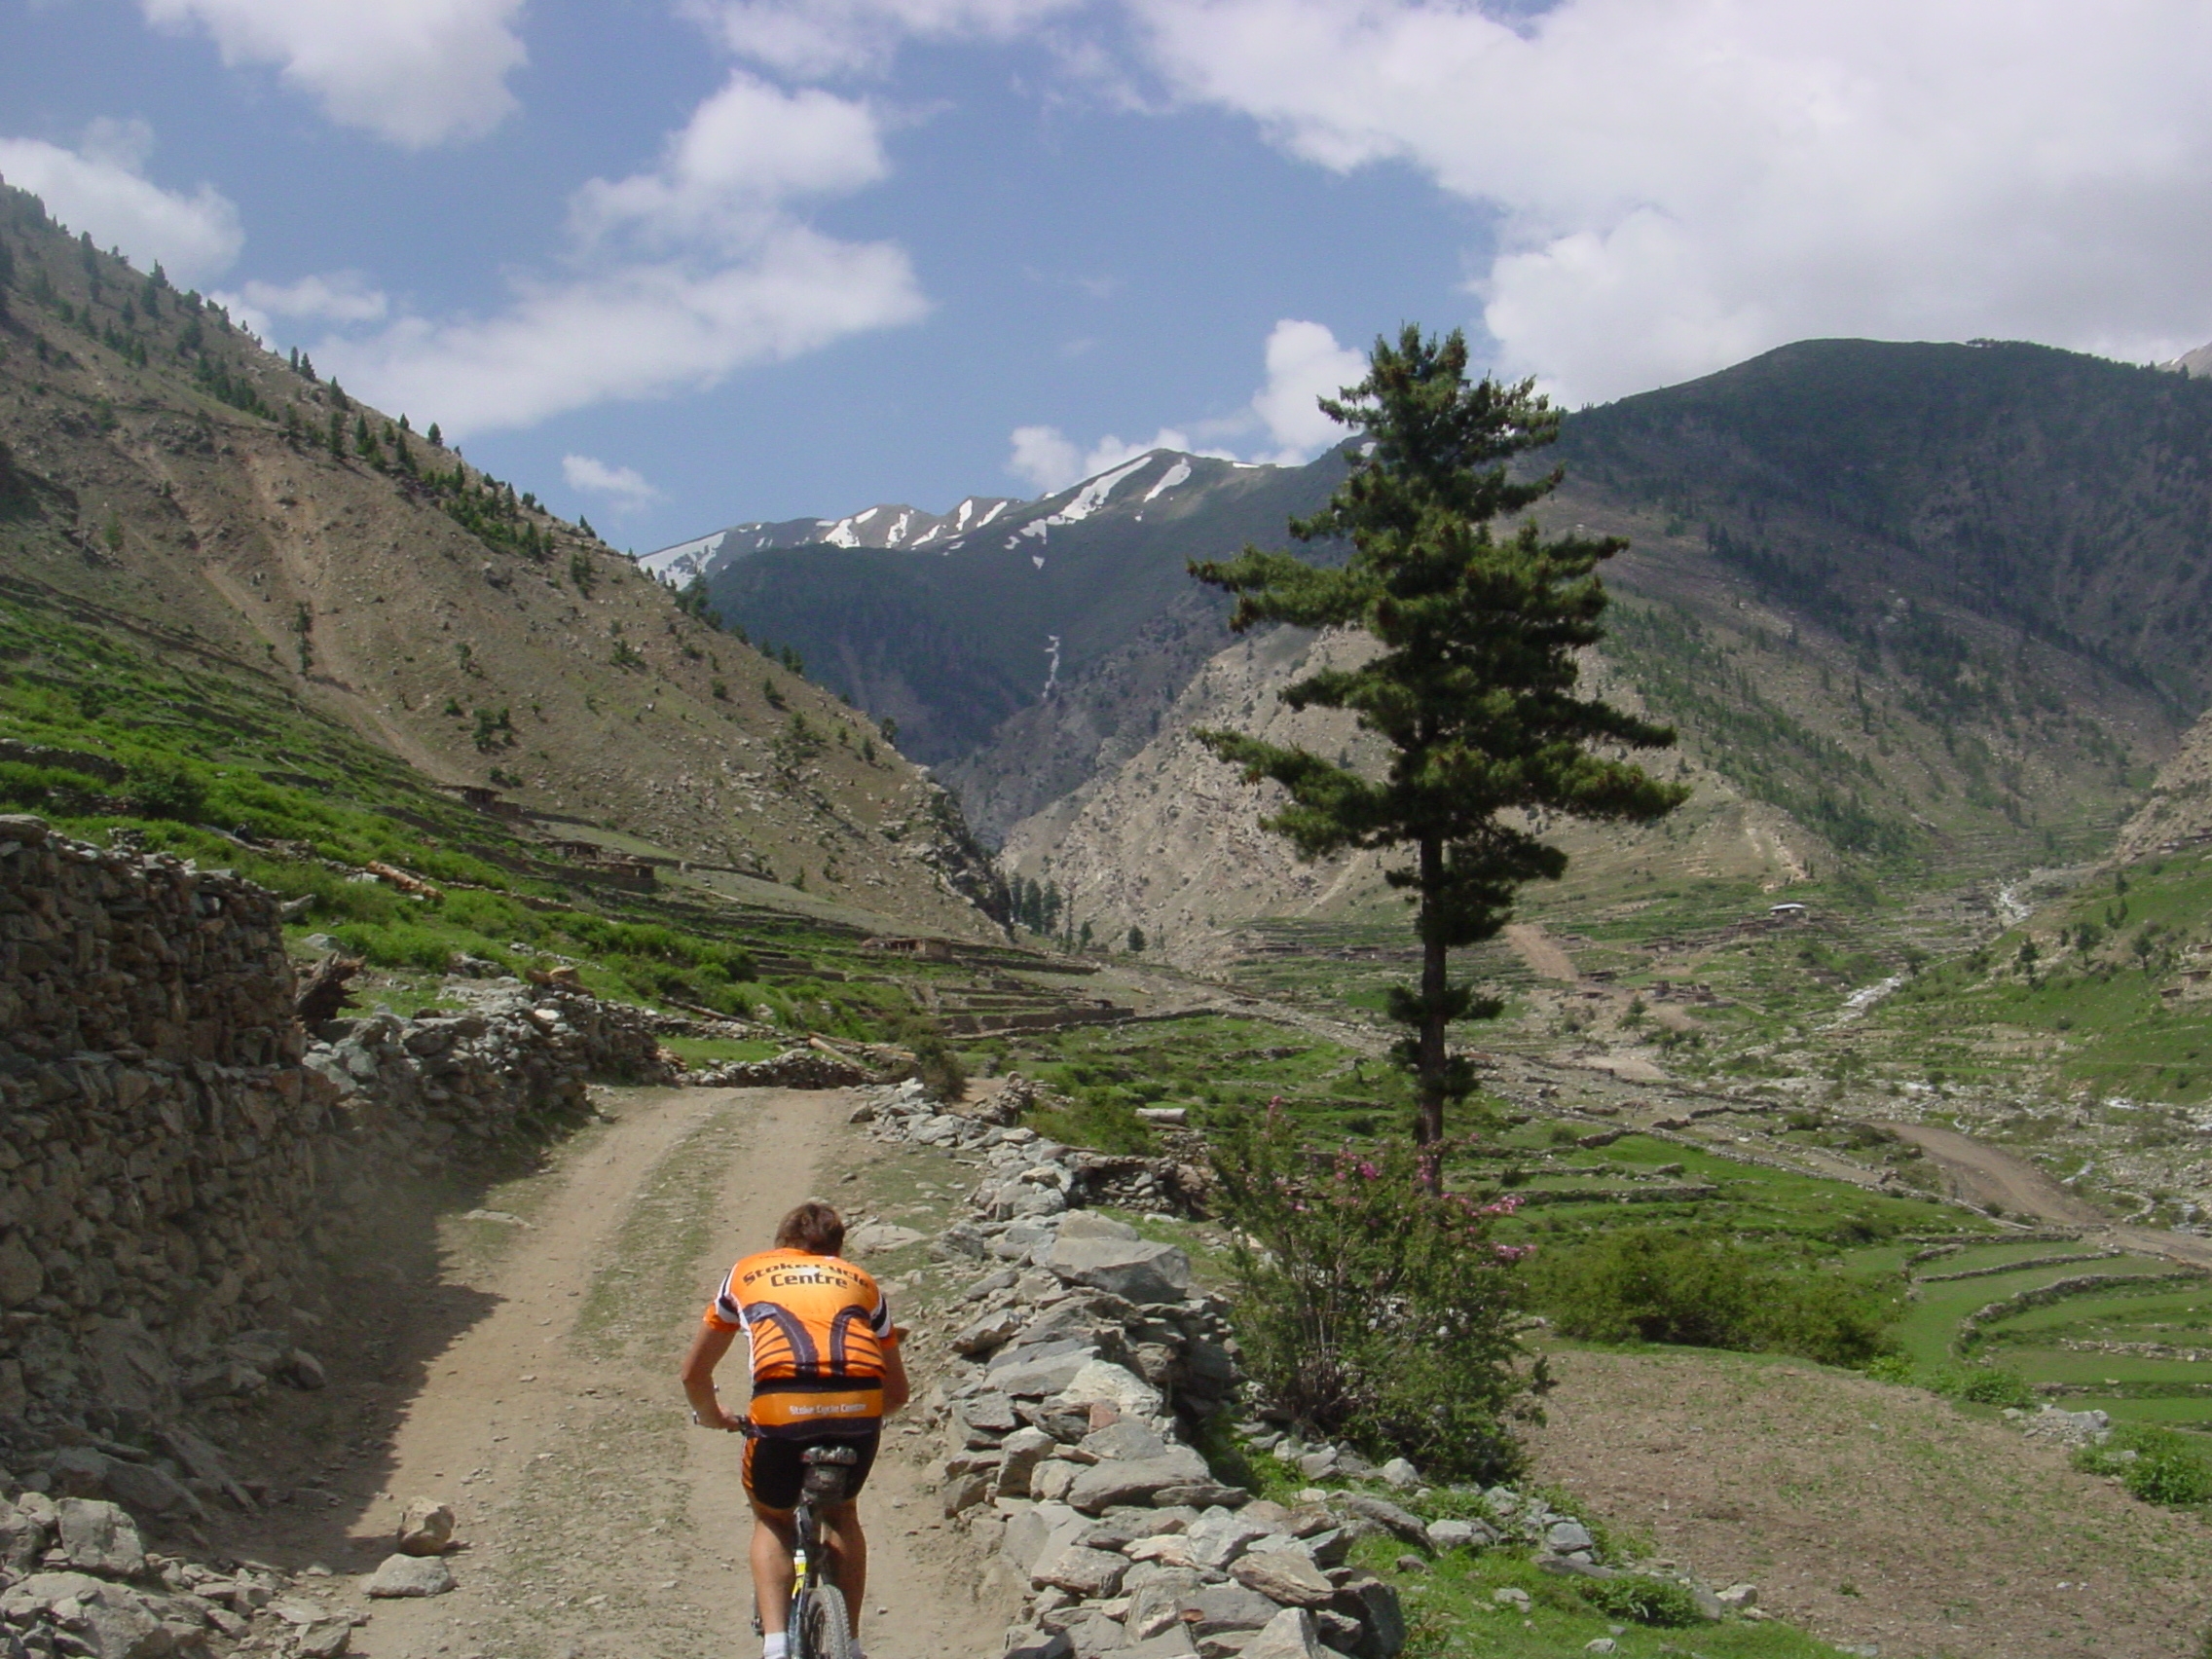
(1655, 1285)
(162, 788)
(1639, 1597)
(1981, 1386)
(2166, 1466)
(1371, 1309)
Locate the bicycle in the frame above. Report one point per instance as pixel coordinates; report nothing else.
(817, 1625)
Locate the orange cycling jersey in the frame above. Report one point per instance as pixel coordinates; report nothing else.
(817, 1329)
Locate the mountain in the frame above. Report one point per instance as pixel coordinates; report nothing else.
(1923, 609)
(950, 635)
(885, 525)
(173, 492)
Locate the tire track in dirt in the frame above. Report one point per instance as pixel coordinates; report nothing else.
(1987, 1175)
(599, 1523)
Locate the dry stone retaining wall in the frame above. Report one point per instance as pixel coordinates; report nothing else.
(176, 1152)
(1086, 1358)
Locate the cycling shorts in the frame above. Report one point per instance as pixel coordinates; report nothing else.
(775, 1468)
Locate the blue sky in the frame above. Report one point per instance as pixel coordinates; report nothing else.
(678, 263)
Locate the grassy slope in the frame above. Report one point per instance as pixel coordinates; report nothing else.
(171, 483)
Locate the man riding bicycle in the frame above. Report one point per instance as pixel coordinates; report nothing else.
(826, 1368)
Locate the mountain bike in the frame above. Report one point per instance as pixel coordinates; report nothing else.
(819, 1626)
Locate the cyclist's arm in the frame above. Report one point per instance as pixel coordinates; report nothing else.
(698, 1374)
(895, 1389)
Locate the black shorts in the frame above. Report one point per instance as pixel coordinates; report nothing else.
(774, 1469)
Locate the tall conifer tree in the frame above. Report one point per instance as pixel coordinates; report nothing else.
(1472, 684)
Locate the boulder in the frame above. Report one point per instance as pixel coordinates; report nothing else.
(878, 1236)
(1135, 1481)
(1381, 1621)
(1132, 1268)
(1125, 1439)
(1401, 1523)
(1020, 1452)
(1399, 1473)
(1564, 1538)
(1284, 1576)
(1226, 1606)
(98, 1536)
(1202, 1495)
(1031, 1531)
(1091, 1574)
(406, 1576)
(24, 1533)
(990, 1330)
(1290, 1635)
(1029, 1378)
(1214, 1540)
(1173, 1642)
(1027, 1642)
(425, 1528)
(990, 1414)
(1459, 1535)
(1100, 1382)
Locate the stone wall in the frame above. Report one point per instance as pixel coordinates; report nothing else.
(176, 1155)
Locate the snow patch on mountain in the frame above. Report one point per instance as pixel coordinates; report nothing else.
(1179, 473)
(678, 565)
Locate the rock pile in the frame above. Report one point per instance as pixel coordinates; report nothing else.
(77, 1578)
(410, 1086)
(793, 1068)
(1084, 1355)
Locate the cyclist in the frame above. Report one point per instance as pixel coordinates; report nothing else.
(825, 1367)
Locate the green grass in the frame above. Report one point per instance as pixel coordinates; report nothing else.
(1452, 1612)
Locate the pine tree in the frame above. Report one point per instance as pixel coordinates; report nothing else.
(436, 442)
(1472, 684)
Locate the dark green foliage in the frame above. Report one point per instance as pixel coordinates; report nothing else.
(1639, 1597)
(580, 571)
(219, 383)
(160, 787)
(1372, 1309)
(1659, 1285)
(1136, 939)
(495, 729)
(1473, 689)
(692, 600)
(437, 440)
(2165, 1468)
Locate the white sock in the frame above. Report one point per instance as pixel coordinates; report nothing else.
(775, 1647)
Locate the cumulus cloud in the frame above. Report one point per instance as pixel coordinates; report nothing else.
(102, 187)
(683, 273)
(1048, 460)
(827, 37)
(418, 72)
(626, 484)
(1682, 183)
(340, 296)
(1304, 363)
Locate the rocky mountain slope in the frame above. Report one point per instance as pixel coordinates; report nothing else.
(165, 482)
(1914, 608)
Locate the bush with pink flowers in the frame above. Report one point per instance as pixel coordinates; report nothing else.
(1372, 1310)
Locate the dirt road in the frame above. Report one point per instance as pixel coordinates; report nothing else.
(1985, 1175)
(1540, 952)
(599, 1522)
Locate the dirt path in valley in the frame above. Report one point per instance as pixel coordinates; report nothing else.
(1985, 1175)
(597, 1522)
(1541, 952)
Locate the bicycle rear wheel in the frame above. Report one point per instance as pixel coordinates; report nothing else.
(825, 1632)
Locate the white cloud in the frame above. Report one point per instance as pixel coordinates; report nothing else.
(745, 151)
(827, 37)
(1047, 459)
(685, 274)
(1685, 182)
(342, 296)
(625, 484)
(1304, 364)
(417, 72)
(101, 188)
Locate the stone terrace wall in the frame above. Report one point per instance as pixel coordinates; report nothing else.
(175, 1156)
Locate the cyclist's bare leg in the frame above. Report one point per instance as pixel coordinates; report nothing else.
(848, 1556)
(775, 1535)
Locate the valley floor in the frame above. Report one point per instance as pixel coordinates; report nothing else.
(541, 1404)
